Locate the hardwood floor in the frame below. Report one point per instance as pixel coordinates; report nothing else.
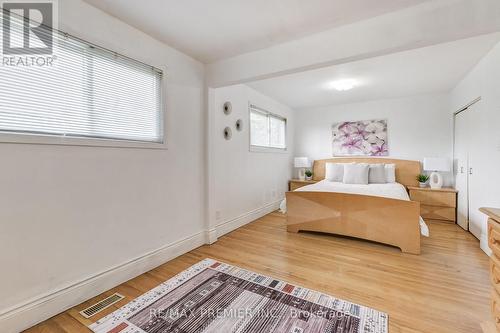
(445, 289)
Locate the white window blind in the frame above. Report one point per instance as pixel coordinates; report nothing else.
(89, 92)
(266, 129)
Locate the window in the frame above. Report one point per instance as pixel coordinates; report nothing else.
(88, 93)
(266, 129)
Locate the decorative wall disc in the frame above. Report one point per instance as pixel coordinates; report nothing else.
(239, 125)
(228, 108)
(228, 134)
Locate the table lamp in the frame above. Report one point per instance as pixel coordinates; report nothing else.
(436, 164)
(302, 163)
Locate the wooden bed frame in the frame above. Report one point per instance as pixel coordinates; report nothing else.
(384, 220)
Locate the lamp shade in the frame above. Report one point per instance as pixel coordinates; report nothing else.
(301, 162)
(436, 164)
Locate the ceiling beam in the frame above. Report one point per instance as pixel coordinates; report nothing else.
(426, 24)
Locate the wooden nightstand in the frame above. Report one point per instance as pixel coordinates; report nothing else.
(493, 214)
(295, 183)
(436, 204)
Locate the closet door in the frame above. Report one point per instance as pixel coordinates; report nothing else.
(461, 167)
(479, 157)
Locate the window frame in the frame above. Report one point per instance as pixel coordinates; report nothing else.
(54, 139)
(62, 140)
(266, 149)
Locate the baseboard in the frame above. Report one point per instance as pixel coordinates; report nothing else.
(211, 236)
(237, 222)
(483, 244)
(483, 238)
(38, 309)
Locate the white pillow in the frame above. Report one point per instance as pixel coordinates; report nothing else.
(377, 174)
(390, 173)
(334, 172)
(356, 173)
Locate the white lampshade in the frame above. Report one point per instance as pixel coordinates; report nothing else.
(301, 162)
(437, 164)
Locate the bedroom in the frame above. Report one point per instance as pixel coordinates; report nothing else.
(241, 109)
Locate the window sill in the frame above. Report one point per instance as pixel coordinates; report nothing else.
(75, 141)
(258, 149)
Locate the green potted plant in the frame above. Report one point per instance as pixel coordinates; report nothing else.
(309, 175)
(422, 180)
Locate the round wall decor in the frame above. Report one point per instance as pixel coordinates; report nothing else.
(239, 125)
(228, 134)
(228, 108)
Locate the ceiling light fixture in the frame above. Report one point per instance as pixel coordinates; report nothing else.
(343, 85)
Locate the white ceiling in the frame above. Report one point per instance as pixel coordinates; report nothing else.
(421, 71)
(210, 30)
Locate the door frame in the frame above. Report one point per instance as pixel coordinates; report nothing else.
(455, 172)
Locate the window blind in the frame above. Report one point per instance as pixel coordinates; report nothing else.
(266, 129)
(88, 92)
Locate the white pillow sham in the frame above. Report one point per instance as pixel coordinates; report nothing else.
(390, 173)
(377, 174)
(334, 172)
(356, 173)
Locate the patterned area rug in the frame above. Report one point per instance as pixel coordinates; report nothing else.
(215, 297)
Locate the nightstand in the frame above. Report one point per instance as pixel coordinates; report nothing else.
(295, 183)
(436, 204)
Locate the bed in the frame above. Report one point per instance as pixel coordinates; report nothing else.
(377, 212)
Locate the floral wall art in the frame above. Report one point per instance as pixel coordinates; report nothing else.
(360, 138)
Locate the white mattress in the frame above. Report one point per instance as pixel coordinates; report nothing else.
(390, 190)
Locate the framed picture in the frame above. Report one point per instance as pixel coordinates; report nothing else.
(360, 138)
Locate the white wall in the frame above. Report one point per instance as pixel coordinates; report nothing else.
(68, 213)
(418, 127)
(483, 81)
(245, 184)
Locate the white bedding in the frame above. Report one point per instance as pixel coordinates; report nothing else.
(389, 190)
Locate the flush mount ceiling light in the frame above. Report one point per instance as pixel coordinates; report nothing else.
(342, 85)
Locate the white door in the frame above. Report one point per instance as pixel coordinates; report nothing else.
(480, 157)
(469, 158)
(461, 167)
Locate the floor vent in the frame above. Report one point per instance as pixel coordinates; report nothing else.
(98, 307)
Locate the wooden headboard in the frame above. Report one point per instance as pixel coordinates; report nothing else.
(406, 171)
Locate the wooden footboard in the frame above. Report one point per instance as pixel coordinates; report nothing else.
(388, 221)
